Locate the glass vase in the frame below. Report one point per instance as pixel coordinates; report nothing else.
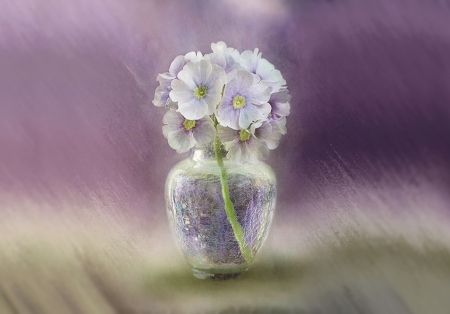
(196, 211)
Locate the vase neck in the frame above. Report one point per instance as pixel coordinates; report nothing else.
(206, 153)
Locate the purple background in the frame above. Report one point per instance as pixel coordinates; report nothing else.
(370, 89)
(83, 160)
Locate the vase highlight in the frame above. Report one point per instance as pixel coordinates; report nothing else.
(196, 210)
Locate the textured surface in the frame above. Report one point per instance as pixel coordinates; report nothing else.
(363, 173)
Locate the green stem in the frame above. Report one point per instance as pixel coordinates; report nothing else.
(229, 207)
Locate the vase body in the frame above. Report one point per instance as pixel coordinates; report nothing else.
(196, 212)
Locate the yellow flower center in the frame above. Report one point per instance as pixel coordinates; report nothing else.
(188, 124)
(238, 101)
(200, 91)
(244, 135)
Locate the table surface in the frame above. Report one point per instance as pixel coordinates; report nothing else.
(299, 270)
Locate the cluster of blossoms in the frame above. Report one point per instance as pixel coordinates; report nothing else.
(239, 97)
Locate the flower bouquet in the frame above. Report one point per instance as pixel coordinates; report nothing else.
(231, 109)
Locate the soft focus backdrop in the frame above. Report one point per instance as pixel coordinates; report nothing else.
(364, 172)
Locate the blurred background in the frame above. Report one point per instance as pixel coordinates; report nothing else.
(363, 212)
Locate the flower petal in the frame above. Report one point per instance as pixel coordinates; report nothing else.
(228, 116)
(173, 122)
(204, 131)
(180, 92)
(181, 140)
(188, 74)
(193, 56)
(217, 76)
(249, 60)
(173, 117)
(247, 115)
(280, 125)
(221, 48)
(226, 134)
(251, 113)
(177, 65)
(194, 109)
(161, 97)
(235, 151)
(260, 150)
(280, 103)
(243, 78)
(259, 93)
(203, 70)
(266, 134)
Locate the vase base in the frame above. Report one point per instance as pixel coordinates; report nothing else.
(208, 274)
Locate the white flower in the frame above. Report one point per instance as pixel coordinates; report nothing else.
(180, 61)
(223, 56)
(242, 92)
(271, 131)
(222, 49)
(242, 145)
(183, 134)
(198, 89)
(253, 62)
(280, 104)
(226, 62)
(162, 92)
(245, 101)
